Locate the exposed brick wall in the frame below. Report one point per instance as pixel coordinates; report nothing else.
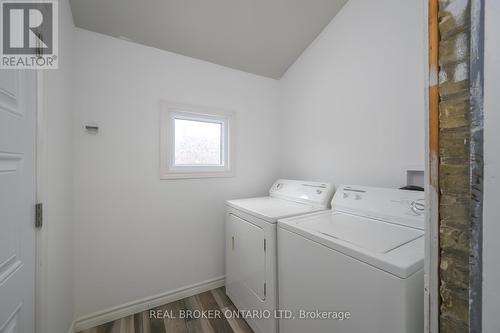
(454, 169)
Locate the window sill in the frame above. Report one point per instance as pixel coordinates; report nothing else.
(196, 175)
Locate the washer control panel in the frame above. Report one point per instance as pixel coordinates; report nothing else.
(392, 205)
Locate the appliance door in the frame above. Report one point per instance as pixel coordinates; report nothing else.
(270, 209)
(245, 258)
(371, 235)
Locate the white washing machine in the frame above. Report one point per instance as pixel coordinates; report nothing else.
(251, 245)
(364, 260)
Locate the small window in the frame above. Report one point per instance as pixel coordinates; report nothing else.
(195, 142)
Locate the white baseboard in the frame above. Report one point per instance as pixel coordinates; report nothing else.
(130, 308)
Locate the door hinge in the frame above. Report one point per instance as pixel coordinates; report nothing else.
(38, 215)
(264, 245)
(265, 291)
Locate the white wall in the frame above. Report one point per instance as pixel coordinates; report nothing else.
(350, 110)
(353, 103)
(137, 235)
(57, 186)
(491, 225)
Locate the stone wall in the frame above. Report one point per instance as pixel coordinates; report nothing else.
(454, 168)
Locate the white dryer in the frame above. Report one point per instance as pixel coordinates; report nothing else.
(251, 269)
(364, 259)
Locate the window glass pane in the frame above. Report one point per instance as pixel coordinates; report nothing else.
(197, 142)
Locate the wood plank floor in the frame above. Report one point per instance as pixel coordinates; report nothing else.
(211, 300)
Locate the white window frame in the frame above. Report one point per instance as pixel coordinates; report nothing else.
(171, 111)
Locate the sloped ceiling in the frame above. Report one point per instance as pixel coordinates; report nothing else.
(263, 37)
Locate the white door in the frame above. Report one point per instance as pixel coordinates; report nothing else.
(17, 200)
(248, 265)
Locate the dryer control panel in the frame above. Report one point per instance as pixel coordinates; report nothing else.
(315, 193)
(392, 205)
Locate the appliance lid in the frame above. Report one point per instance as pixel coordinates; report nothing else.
(391, 205)
(395, 249)
(270, 208)
(314, 193)
(372, 235)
